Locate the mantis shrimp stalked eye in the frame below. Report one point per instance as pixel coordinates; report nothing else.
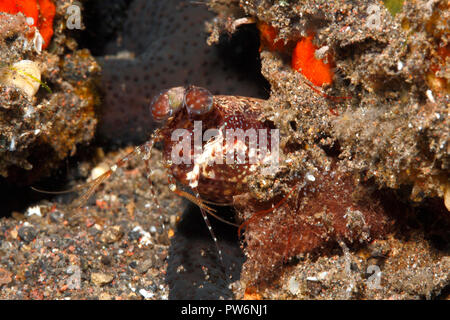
(198, 100)
(166, 103)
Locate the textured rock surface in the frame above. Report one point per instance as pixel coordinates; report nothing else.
(38, 131)
(50, 250)
(393, 132)
(386, 70)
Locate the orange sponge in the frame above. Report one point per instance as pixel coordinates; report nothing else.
(46, 14)
(28, 8)
(304, 61)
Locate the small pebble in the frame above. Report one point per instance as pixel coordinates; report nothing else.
(18, 216)
(322, 275)
(144, 266)
(56, 216)
(105, 296)
(99, 170)
(106, 260)
(173, 220)
(430, 96)
(5, 276)
(293, 286)
(314, 286)
(101, 279)
(111, 234)
(447, 196)
(146, 294)
(36, 210)
(13, 233)
(134, 235)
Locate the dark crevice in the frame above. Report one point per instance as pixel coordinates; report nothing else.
(240, 52)
(103, 21)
